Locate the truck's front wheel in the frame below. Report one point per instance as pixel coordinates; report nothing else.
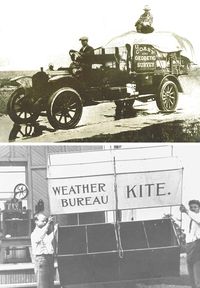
(64, 108)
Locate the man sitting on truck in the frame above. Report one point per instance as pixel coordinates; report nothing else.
(84, 61)
(85, 49)
(144, 23)
(86, 52)
(84, 57)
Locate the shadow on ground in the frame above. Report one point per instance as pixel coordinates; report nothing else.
(20, 131)
(176, 131)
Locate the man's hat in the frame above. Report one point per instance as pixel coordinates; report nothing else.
(84, 38)
(146, 8)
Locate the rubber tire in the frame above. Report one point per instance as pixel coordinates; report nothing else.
(54, 98)
(12, 111)
(160, 99)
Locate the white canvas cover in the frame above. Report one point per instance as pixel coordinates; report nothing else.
(163, 41)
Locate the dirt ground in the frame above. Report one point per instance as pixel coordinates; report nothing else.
(98, 124)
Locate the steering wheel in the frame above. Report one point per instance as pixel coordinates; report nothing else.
(75, 55)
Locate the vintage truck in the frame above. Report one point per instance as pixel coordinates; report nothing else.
(129, 67)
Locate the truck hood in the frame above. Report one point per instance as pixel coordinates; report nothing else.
(56, 77)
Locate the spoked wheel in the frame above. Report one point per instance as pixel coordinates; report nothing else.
(20, 107)
(64, 108)
(20, 191)
(167, 98)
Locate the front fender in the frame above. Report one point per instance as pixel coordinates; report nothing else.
(23, 81)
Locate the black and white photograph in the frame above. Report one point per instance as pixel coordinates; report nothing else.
(99, 216)
(90, 71)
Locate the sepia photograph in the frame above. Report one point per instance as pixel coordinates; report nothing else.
(99, 216)
(99, 152)
(90, 71)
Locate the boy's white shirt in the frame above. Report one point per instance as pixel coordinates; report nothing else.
(194, 232)
(41, 242)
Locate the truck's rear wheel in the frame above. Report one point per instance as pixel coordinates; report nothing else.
(167, 97)
(64, 108)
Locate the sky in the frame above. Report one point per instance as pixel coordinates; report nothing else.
(35, 33)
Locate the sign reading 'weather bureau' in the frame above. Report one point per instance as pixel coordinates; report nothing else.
(79, 195)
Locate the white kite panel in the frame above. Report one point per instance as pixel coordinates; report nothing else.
(151, 152)
(79, 195)
(79, 158)
(106, 180)
(145, 165)
(80, 170)
(149, 189)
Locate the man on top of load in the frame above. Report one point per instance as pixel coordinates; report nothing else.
(144, 23)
